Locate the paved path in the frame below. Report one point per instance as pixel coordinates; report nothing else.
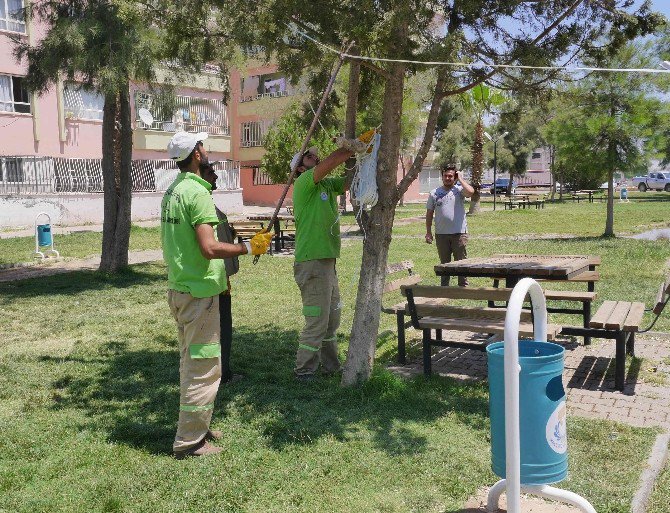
(589, 384)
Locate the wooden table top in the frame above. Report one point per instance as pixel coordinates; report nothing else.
(267, 217)
(554, 267)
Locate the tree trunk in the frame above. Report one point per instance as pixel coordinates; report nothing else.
(117, 148)
(477, 167)
(362, 343)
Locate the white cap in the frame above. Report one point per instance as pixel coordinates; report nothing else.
(182, 144)
(297, 157)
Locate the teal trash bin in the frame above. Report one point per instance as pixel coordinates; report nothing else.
(542, 413)
(44, 235)
(624, 193)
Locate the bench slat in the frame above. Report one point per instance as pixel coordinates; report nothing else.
(570, 295)
(503, 294)
(603, 313)
(402, 307)
(482, 326)
(484, 293)
(406, 281)
(634, 317)
(467, 312)
(618, 316)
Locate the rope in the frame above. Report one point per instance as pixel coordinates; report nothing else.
(477, 66)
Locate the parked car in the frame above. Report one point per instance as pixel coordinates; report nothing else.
(654, 180)
(501, 186)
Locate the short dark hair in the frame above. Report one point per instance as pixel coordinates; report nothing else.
(449, 167)
(183, 164)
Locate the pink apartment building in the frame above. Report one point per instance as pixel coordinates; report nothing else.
(50, 146)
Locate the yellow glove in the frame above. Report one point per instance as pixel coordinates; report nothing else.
(260, 243)
(366, 137)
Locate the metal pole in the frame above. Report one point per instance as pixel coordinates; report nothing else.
(495, 164)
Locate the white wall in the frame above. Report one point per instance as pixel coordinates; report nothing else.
(74, 209)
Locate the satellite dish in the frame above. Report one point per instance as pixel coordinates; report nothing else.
(145, 116)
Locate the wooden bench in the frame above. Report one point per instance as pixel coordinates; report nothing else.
(400, 309)
(286, 232)
(427, 317)
(511, 204)
(246, 229)
(620, 320)
(536, 201)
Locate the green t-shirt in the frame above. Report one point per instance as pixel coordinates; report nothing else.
(187, 203)
(317, 224)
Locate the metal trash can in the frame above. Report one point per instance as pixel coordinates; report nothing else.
(542, 411)
(44, 235)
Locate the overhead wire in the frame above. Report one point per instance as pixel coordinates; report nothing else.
(476, 65)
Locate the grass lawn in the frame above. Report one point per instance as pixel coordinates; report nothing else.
(659, 502)
(75, 245)
(90, 394)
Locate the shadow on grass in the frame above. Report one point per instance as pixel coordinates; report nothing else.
(133, 397)
(76, 282)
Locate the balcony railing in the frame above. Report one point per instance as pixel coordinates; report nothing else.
(276, 94)
(49, 175)
(187, 113)
(252, 133)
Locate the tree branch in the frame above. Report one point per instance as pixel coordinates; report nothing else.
(427, 142)
(537, 39)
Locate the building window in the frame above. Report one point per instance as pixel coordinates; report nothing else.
(252, 133)
(256, 87)
(11, 16)
(536, 155)
(82, 104)
(430, 178)
(14, 96)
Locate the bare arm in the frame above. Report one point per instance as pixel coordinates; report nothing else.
(468, 190)
(212, 248)
(429, 226)
(333, 160)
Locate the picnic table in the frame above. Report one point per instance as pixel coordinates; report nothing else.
(523, 201)
(512, 268)
(589, 193)
(276, 226)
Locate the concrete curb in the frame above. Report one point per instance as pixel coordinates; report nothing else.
(655, 465)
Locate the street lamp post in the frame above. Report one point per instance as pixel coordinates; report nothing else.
(495, 162)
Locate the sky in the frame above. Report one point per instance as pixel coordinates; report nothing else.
(662, 6)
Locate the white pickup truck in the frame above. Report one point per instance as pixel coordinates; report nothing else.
(658, 180)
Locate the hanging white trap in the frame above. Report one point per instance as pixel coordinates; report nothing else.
(364, 184)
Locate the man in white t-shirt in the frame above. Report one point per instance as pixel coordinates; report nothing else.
(446, 204)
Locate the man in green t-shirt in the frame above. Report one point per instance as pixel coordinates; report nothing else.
(196, 277)
(317, 246)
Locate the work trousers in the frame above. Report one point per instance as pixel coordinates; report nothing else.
(448, 245)
(199, 365)
(317, 280)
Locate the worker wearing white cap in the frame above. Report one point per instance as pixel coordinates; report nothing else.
(196, 277)
(317, 246)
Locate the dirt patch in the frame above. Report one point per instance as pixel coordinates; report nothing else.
(529, 504)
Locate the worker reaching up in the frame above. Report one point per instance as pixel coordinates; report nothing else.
(317, 246)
